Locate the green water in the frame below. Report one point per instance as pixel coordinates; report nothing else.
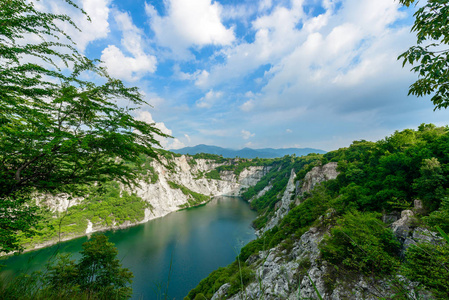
(195, 242)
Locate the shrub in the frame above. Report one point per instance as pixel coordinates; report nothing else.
(428, 264)
(361, 243)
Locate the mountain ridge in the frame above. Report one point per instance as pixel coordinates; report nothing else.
(246, 152)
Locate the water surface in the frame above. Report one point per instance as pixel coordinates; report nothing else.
(193, 242)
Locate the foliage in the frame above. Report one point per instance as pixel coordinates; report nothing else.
(57, 130)
(214, 174)
(429, 185)
(98, 275)
(25, 217)
(430, 55)
(233, 274)
(377, 176)
(214, 157)
(440, 217)
(193, 199)
(103, 206)
(428, 264)
(361, 243)
(374, 178)
(100, 270)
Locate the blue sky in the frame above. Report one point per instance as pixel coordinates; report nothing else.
(288, 73)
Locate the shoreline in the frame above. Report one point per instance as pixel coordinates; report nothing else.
(119, 227)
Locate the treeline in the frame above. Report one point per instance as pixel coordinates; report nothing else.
(376, 178)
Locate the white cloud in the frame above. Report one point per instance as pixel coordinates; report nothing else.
(248, 105)
(209, 99)
(129, 68)
(246, 134)
(288, 130)
(265, 5)
(188, 137)
(166, 143)
(275, 36)
(189, 23)
(96, 28)
(125, 67)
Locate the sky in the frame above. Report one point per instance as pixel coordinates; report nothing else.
(287, 73)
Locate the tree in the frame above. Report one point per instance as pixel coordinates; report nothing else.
(98, 273)
(430, 55)
(101, 272)
(57, 130)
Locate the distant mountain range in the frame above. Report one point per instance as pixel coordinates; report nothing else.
(247, 152)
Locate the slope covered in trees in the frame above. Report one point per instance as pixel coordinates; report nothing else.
(376, 179)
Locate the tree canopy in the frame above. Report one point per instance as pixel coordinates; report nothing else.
(431, 54)
(58, 130)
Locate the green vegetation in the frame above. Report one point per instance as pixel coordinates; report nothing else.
(375, 178)
(104, 206)
(194, 198)
(361, 242)
(235, 274)
(58, 130)
(214, 174)
(431, 53)
(214, 157)
(278, 177)
(98, 275)
(428, 264)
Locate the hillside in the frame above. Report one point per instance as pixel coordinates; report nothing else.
(247, 152)
(357, 223)
(174, 182)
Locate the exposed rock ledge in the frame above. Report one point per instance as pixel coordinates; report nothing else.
(163, 199)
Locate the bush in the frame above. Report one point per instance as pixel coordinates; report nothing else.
(361, 243)
(428, 264)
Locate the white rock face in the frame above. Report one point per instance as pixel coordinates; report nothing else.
(57, 203)
(282, 274)
(285, 202)
(318, 175)
(314, 177)
(164, 199)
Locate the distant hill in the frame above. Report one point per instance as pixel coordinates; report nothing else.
(247, 152)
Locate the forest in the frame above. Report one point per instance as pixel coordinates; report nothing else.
(61, 132)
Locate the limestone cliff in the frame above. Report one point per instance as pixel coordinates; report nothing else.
(283, 273)
(173, 183)
(316, 176)
(164, 199)
(293, 190)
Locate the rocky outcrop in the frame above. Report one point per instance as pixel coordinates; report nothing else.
(58, 202)
(164, 199)
(408, 233)
(283, 207)
(293, 190)
(292, 274)
(162, 195)
(318, 175)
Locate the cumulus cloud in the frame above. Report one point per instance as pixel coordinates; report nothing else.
(166, 143)
(316, 60)
(189, 23)
(276, 34)
(248, 105)
(95, 29)
(209, 99)
(129, 68)
(246, 134)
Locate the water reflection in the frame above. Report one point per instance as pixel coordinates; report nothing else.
(194, 242)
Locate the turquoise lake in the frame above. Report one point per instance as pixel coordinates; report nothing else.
(194, 242)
